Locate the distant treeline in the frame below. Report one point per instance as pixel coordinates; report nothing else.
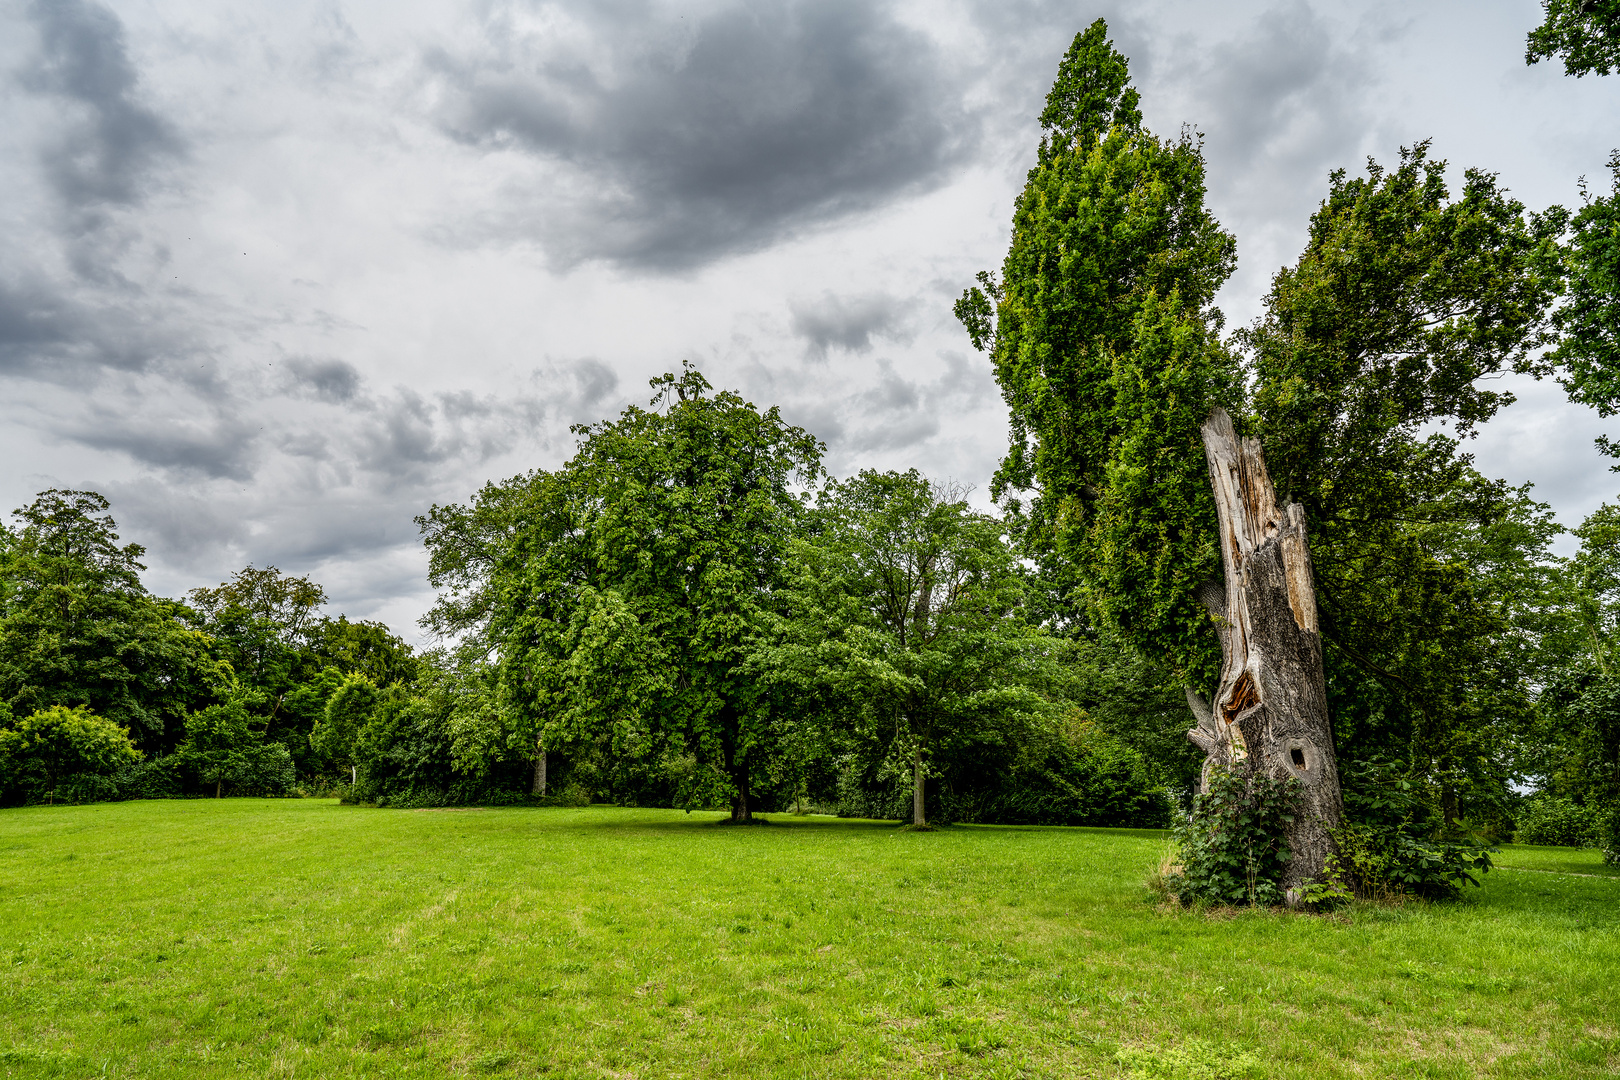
(246, 688)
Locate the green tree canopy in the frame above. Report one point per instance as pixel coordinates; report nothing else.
(48, 754)
(1586, 33)
(220, 742)
(77, 627)
(348, 710)
(627, 600)
(906, 609)
(1103, 335)
(1588, 352)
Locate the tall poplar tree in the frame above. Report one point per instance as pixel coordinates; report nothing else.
(1105, 342)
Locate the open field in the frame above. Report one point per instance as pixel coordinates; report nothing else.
(303, 938)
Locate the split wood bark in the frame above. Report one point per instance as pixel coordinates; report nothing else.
(1270, 713)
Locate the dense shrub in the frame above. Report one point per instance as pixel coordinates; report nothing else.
(266, 769)
(62, 754)
(1085, 778)
(1230, 848)
(155, 778)
(1609, 835)
(1558, 822)
(1394, 840)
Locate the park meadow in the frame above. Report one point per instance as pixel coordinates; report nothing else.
(283, 938)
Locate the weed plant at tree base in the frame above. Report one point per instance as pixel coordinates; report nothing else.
(1230, 847)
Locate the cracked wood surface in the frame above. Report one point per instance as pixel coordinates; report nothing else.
(1269, 714)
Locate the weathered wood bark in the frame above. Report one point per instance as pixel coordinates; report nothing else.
(1270, 712)
(539, 773)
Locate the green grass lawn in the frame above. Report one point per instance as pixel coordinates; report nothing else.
(302, 938)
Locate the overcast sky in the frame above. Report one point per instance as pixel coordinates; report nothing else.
(277, 276)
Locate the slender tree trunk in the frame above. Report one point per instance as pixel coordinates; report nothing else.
(740, 813)
(540, 774)
(354, 775)
(1270, 713)
(917, 817)
(219, 786)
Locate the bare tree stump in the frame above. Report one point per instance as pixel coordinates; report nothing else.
(1270, 714)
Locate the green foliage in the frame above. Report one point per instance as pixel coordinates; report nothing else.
(620, 594)
(1558, 822)
(1588, 353)
(1076, 775)
(1577, 737)
(903, 620)
(220, 745)
(1586, 33)
(77, 628)
(62, 754)
(1105, 345)
(348, 711)
(1404, 303)
(1609, 834)
(269, 627)
(159, 777)
(1394, 840)
(1230, 848)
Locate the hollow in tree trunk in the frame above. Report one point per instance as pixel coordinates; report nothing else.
(1270, 714)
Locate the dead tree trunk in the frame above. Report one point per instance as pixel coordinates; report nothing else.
(1270, 715)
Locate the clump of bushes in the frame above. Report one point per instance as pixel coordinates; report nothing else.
(61, 754)
(1230, 849)
(1395, 842)
(1558, 822)
(1071, 774)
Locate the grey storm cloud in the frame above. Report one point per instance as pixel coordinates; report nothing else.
(217, 447)
(1279, 103)
(110, 141)
(67, 312)
(849, 322)
(324, 378)
(692, 140)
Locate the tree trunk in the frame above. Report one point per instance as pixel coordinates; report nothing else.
(540, 774)
(219, 786)
(1270, 714)
(917, 817)
(740, 813)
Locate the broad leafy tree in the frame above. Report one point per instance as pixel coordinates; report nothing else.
(1405, 302)
(631, 598)
(907, 610)
(1584, 33)
(220, 742)
(1588, 352)
(77, 627)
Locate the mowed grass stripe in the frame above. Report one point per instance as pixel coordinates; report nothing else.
(303, 938)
